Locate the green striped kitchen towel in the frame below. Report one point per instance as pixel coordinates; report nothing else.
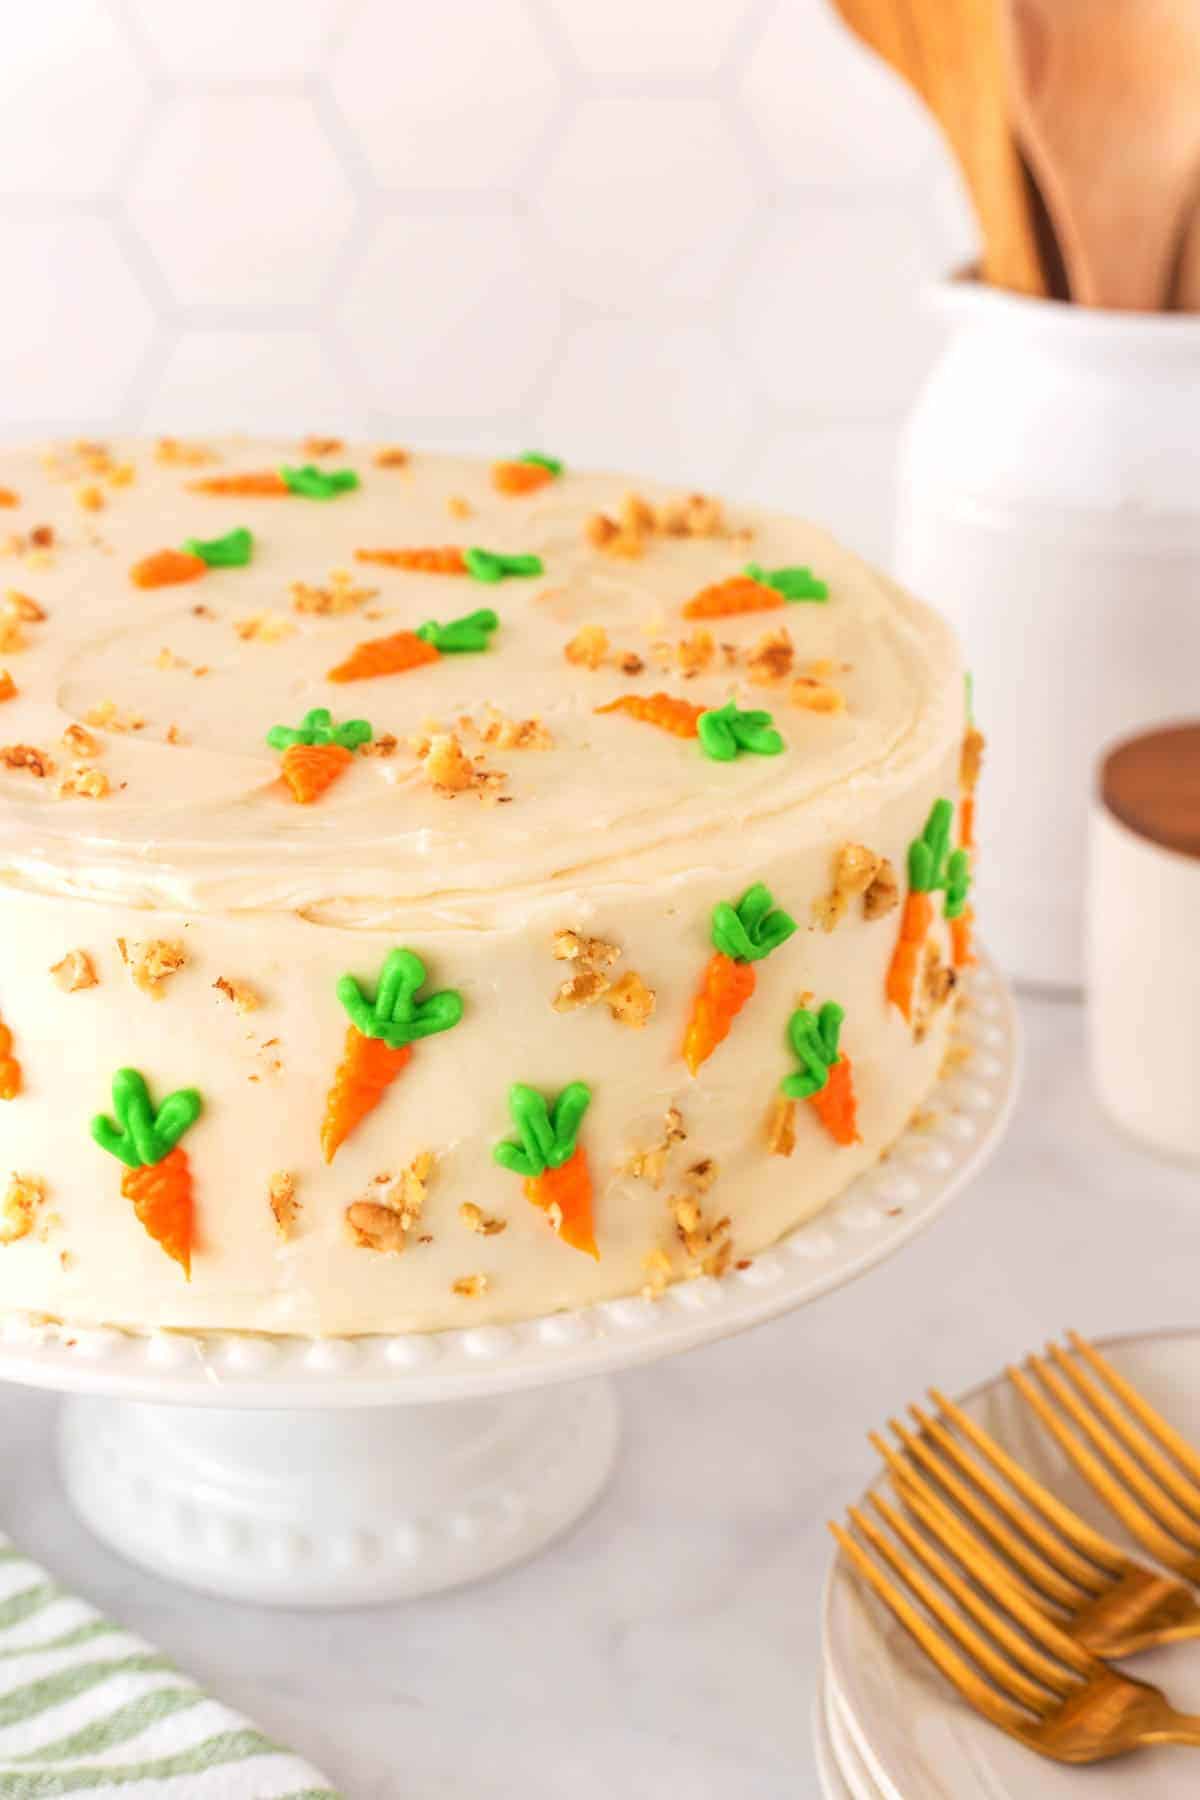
(87, 1708)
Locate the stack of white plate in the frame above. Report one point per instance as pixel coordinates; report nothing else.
(888, 1727)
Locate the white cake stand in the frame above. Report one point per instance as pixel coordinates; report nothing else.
(319, 1472)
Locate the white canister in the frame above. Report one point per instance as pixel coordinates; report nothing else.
(1143, 946)
(1050, 506)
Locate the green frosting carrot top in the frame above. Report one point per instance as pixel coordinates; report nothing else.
(396, 1015)
(548, 1136)
(311, 483)
(140, 1135)
(317, 727)
(726, 731)
(796, 583)
(233, 551)
(753, 928)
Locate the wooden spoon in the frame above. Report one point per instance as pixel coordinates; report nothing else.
(1106, 103)
(950, 51)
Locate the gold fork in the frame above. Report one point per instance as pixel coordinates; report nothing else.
(1138, 1464)
(1012, 1664)
(1091, 1589)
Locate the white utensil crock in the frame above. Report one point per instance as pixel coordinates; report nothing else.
(1049, 504)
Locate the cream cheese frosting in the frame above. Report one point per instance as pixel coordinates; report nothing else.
(594, 823)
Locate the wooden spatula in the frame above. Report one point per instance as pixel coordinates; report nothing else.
(950, 51)
(1106, 104)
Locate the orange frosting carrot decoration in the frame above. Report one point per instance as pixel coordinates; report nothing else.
(526, 474)
(410, 649)
(726, 599)
(379, 1040)
(255, 483)
(448, 560)
(755, 590)
(157, 1176)
(742, 935)
(317, 752)
(552, 1161)
(385, 656)
(167, 568)
(679, 717)
(962, 946)
(10, 1068)
(825, 1078)
(932, 867)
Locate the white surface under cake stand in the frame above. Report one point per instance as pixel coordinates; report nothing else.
(341, 1471)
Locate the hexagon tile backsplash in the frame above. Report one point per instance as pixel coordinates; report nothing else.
(686, 237)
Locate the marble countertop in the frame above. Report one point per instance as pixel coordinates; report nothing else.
(669, 1645)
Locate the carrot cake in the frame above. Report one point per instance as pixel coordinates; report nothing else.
(438, 892)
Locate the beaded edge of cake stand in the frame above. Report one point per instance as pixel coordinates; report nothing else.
(878, 1212)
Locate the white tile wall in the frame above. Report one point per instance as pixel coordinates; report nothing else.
(684, 236)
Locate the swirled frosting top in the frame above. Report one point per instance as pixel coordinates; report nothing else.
(170, 793)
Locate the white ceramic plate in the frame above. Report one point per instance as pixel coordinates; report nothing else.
(876, 1216)
(853, 1771)
(833, 1783)
(916, 1738)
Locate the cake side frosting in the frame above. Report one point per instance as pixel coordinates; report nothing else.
(541, 848)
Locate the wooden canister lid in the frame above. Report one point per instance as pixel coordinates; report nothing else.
(1151, 783)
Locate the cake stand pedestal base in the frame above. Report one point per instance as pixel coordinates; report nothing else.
(324, 1508)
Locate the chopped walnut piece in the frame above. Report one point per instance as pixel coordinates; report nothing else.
(244, 998)
(696, 515)
(770, 660)
(322, 446)
(18, 1214)
(25, 756)
(175, 453)
(883, 895)
(458, 507)
(75, 971)
(8, 687)
(855, 868)
(385, 1221)
(264, 628)
(375, 1227)
(167, 659)
(657, 1266)
(702, 1174)
(630, 1001)
(781, 1126)
(588, 648)
(673, 1128)
(285, 1207)
(694, 654)
(938, 982)
(581, 989)
(471, 1287)
(85, 782)
(152, 964)
(650, 1165)
(12, 638)
(340, 595)
(174, 735)
(80, 742)
(817, 696)
(89, 497)
(106, 717)
(451, 771)
(571, 946)
(391, 456)
(475, 1219)
(23, 606)
(385, 745)
(630, 663)
(513, 734)
(614, 539)
(708, 1246)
